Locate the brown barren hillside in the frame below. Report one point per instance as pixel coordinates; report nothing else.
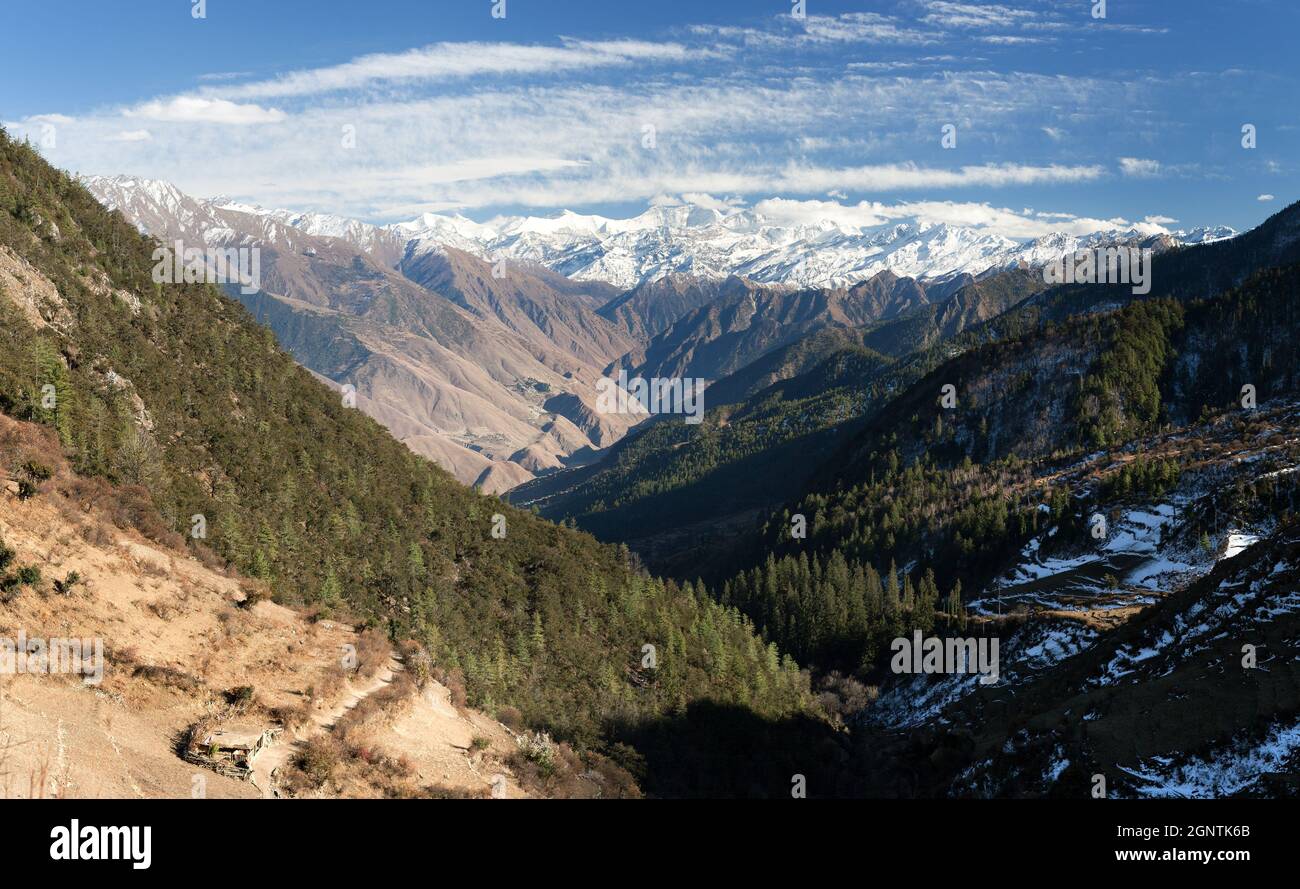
(185, 644)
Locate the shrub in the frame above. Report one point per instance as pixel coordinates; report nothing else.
(97, 535)
(168, 677)
(511, 718)
(65, 586)
(842, 696)
(254, 592)
(319, 758)
(38, 472)
(539, 749)
(240, 697)
(134, 508)
(418, 663)
(208, 557)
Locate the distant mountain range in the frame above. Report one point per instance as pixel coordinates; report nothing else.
(690, 240)
(706, 243)
(495, 378)
(786, 390)
(490, 375)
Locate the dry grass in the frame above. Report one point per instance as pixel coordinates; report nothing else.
(329, 764)
(385, 704)
(373, 652)
(168, 677)
(555, 770)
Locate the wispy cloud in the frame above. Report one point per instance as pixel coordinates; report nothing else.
(196, 109)
(895, 177)
(861, 27)
(850, 107)
(1011, 39)
(456, 61)
(968, 15)
(787, 32)
(1139, 167)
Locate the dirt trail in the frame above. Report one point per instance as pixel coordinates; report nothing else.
(271, 759)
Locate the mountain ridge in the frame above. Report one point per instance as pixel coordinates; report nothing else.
(710, 244)
(461, 372)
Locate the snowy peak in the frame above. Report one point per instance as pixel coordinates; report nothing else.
(689, 239)
(1205, 234)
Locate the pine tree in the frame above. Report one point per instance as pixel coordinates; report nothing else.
(875, 596)
(927, 598)
(956, 608)
(415, 561)
(892, 618)
(538, 637)
(330, 589)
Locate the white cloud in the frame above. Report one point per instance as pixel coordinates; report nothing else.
(446, 61)
(861, 27)
(968, 15)
(786, 32)
(196, 109)
(131, 136)
(465, 170)
(1265, 197)
(557, 145)
(224, 75)
(909, 63)
(1012, 40)
(709, 202)
(799, 124)
(891, 177)
(1137, 167)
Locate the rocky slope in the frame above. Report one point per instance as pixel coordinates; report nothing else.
(185, 643)
(1146, 665)
(460, 369)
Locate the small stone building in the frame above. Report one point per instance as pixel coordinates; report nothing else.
(230, 749)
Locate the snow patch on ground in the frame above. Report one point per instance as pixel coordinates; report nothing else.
(1058, 764)
(1223, 773)
(1133, 552)
(1238, 542)
(915, 700)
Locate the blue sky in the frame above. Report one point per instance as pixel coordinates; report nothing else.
(386, 109)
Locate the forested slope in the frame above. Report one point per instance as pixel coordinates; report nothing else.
(174, 390)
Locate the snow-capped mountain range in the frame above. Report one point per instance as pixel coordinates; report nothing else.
(684, 239)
